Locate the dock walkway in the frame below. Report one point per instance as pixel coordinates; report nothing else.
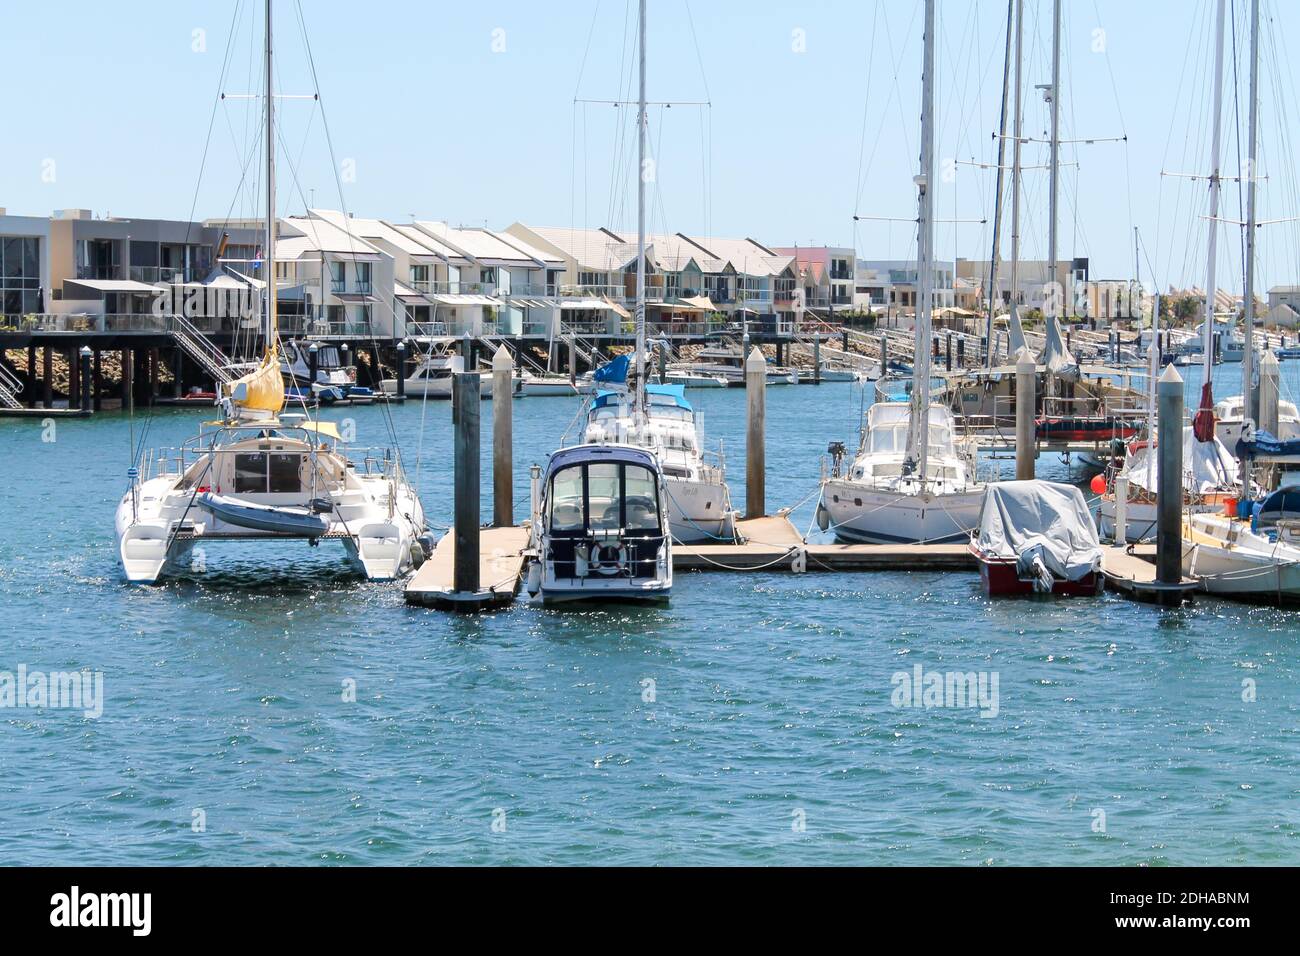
(500, 565)
(1132, 571)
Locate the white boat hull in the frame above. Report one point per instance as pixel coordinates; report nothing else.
(434, 387)
(699, 511)
(863, 514)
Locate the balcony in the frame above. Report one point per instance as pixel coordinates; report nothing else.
(162, 274)
(98, 271)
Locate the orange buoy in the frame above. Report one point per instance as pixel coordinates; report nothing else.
(1098, 484)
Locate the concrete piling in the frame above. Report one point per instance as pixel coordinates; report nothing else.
(401, 370)
(817, 358)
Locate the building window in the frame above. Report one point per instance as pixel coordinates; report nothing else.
(363, 276)
(591, 278)
(420, 277)
(338, 276)
(487, 276)
(20, 275)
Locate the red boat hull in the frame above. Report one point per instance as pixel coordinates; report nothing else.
(1000, 579)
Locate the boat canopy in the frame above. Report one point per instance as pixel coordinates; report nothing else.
(672, 395)
(1043, 519)
(588, 453)
(1267, 445)
(1207, 466)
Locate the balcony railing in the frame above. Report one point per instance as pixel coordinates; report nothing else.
(99, 271)
(164, 274)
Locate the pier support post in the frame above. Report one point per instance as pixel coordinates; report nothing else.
(884, 354)
(84, 356)
(32, 377)
(961, 352)
(1026, 382)
(465, 397)
(947, 351)
(503, 461)
(1169, 494)
(127, 358)
(573, 359)
(755, 453)
(1269, 375)
(96, 384)
(153, 375)
(178, 373)
(663, 362)
(817, 358)
(47, 372)
(400, 374)
(74, 378)
(313, 365)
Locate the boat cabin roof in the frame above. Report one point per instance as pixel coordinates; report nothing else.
(585, 454)
(674, 395)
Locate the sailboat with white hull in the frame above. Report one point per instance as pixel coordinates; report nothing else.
(911, 480)
(259, 474)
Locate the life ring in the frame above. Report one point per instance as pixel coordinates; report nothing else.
(607, 559)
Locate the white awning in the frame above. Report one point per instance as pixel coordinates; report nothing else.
(452, 298)
(117, 285)
(407, 294)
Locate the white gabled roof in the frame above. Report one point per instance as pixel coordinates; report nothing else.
(377, 229)
(315, 236)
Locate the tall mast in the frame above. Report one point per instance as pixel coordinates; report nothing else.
(640, 226)
(1055, 177)
(269, 257)
(1014, 334)
(1207, 337)
(1248, 357)
(997, 200)
(918, 432)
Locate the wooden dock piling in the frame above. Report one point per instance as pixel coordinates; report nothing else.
(755, 434)
(1026, 382)
(1169, 497)
(502, 439)
(465, 397)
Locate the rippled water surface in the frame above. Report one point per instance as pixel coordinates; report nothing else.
(768, 734)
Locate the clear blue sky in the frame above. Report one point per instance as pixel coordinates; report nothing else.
(465, 112)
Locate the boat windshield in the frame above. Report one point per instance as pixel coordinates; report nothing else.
(603, 496)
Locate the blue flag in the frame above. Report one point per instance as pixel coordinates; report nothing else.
(614, 370)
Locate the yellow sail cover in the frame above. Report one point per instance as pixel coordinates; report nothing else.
(264, 386)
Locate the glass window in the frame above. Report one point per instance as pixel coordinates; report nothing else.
(285, 472)
(250, 473)
(566, 500)
(641, 499)
(603, 496)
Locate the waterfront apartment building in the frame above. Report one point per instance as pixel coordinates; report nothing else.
(692, 282)
(24, 265)
(827, 275)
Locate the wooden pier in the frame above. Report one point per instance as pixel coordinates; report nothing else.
(501, 563)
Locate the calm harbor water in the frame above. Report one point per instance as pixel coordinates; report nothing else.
(767, 735)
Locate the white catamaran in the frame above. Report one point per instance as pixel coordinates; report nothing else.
(261, 474)
(911, 480)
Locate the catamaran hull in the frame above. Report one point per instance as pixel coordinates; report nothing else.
(870, 516)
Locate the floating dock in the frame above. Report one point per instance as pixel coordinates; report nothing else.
(773, 544)
(500, 565)
(1131, 570)
(769, 544)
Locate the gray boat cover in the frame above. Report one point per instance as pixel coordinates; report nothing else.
(1040, 523)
